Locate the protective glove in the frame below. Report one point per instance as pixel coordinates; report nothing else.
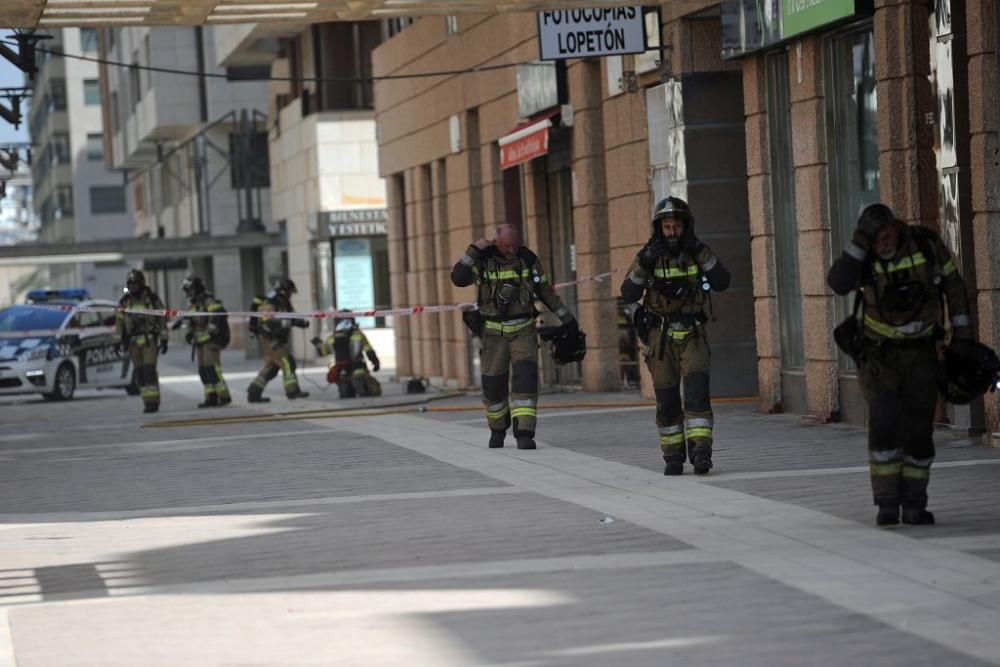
(374, 359)
(163, 345)
(864, 235)
(692, 243)
(315, 340)
(961, 347)
(572, 326)
(482, 244)
(300, 323)
(653, 250)
(189, 338)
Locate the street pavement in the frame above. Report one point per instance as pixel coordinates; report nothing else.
(317, 533)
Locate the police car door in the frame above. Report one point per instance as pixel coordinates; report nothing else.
(98, 362)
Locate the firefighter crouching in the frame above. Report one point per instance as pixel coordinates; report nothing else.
(207, 335)
(142, 336)
(274, 336)
(905, 276)
(349, 347)
(672, 276)
(509, 279)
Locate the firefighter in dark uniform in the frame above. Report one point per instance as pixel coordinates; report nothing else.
(274, 334)
(509, 278)
(906, 276)
(208, 336)
(672, 276)
(349, 347)
(143, 336)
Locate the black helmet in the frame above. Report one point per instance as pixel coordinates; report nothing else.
(567, 344)
(344, 323)
(285, 287)
(969, 372)
(193, 286)
(672, 207)
(137, 278)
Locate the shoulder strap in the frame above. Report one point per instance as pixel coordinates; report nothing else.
(926, 240)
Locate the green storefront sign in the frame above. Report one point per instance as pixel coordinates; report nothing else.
(800, 16)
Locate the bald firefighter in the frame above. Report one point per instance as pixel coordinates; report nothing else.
(509, 278)
(672, 276)
(909, 292)
(274, 334)
(143, 336)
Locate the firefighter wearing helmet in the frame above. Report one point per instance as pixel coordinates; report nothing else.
(207, 335)
(142, 336)
(904, 277)
(672, 277)
(274, 334)
(349, 347)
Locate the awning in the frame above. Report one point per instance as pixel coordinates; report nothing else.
(527, 141)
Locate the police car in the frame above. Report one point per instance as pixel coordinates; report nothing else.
(36, 358)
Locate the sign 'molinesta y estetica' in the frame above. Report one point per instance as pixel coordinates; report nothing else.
(585, 33)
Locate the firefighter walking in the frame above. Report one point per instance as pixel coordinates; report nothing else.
(349, 347)
(509, 279)
(143, 336)
(274, 334)
(207, 335)
(906, 280)
(672, 276)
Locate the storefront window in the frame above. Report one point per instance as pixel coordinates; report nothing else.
(786, 232)
(852, 127)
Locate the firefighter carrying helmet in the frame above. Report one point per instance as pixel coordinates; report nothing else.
(969, 372)
(567, 343)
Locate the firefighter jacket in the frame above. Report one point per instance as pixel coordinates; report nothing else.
(209, 330)
(678, 285)
(347, 346)
(508, 288)
(137, 330)
(275, 328)
(904, 298)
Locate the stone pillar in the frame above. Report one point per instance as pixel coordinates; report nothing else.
(395, 195)
(984, 140)
(598, 303)
(762, 248)
(813, 215)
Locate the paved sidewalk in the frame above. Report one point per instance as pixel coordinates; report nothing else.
(401, 539)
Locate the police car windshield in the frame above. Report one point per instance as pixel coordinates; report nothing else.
(24, 318)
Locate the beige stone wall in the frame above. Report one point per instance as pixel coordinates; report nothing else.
(984, 121)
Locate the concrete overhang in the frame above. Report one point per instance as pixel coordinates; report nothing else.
(41, 14)
(117, 250)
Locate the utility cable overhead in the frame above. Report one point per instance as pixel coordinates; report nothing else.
(236, 79)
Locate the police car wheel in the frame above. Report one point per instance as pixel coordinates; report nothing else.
(65, 384)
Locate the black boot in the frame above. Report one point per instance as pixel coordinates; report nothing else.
(702, 464)
(254, 396)
(525, 442)
(151, 407)
(917, 517)
(225, 400)
(496, 438)
(674, 468)
(888, 515)
(210, 402)
(298, 394)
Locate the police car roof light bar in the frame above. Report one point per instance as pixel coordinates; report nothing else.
(67, 294)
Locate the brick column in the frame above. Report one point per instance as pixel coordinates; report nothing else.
(397, 269)
(813, 216)
(428, 362)
(598, 303)
(984, 130)
(762, 246)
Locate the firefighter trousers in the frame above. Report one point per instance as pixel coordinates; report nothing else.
(209, 359)
(144, 359)
(899, 382)
(509, 362)
(684, 426)
(277, 357)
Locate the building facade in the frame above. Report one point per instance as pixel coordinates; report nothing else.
(76, 196)
(18, 224)
(192, 151)
(777, 139)
(325, 187)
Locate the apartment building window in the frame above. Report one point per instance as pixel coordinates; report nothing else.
(95, 147)
(64, 201)
(57, 95)
(91, 93)
(88, 40)
(46, 211)
(115, 118)
(451, 24)
(395, 26)
(59, 144)
(664, 144)
(106, 199)
(250, 165)
(344, 50)
(135, 82)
